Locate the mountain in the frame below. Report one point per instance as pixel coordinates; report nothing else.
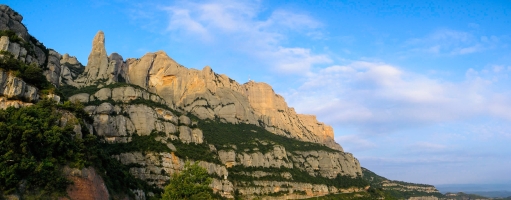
(121, 128)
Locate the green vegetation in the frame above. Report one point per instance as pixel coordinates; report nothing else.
(146, 143)
(68, 90)
(462, 196)
(12, 36)
(116, 175)
(376, 183)
(249, 136)
(33, 149)
(297, 176)
(192, 183)
(195, 152)
(25, 44)
(31, 74)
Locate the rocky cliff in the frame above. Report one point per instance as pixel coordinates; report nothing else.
(180, 108)
(204, 93)
(154, 114)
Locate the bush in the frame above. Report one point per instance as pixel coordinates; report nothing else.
(192, 183)
(33, 148)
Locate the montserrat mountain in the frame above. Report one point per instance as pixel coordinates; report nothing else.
(153, 115)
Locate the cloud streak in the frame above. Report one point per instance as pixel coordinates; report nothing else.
(383, 98)
(261, 37)
(452, 42)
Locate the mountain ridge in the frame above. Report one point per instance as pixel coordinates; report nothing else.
(154, 114)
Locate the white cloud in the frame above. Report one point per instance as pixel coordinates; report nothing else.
(239, 25)
(381, 98)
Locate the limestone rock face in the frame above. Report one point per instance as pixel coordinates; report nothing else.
(209, 95)
(153, 164)
(97, 64)
(102, 69)
(116, 123)
(227, 157)
(15, 88)
(11, 20)
(278, 118)
(54, 70)
(70, 68)
(188, 135)
(328, 164)
(276, 158)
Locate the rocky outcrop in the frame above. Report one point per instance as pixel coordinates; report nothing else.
(27, 49)
(54, 70)
(275, 158)
(14, 88)
(70, 69)
(209, 95)
(278, 118)
(102, 69)
(408, 187)
(156, 167)
(327, 164)
(117, 122)
(87, 184)
(290, 190)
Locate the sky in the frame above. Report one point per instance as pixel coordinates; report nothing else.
(418, 91)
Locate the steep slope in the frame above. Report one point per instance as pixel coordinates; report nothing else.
(400, 189)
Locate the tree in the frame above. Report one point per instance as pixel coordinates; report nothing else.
(192, 183)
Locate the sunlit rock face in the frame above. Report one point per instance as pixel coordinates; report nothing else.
(209, 95)
(159, 97)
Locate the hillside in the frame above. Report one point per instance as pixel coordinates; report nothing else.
(120, 128)
(400, 189)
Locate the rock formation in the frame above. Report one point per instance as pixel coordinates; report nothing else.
(155, 97)
(15, 92)
(101, 69)
(10, 20)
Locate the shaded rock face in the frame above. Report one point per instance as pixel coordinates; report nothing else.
(11, 20)
(70, 68)
(14, 88)
(54, 69)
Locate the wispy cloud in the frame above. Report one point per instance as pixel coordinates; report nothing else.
(452, 42)
(381, 98)
(240, 25)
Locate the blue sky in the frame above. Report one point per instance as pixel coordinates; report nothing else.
(417, 90)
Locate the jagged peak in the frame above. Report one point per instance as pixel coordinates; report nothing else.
(98, 49)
